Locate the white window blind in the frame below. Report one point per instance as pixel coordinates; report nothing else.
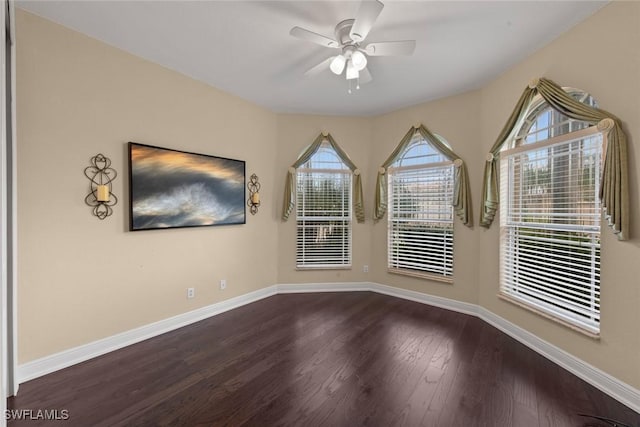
(323, 211)
(420, 215)
(550, 221)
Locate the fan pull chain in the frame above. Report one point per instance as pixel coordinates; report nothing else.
(350, 85)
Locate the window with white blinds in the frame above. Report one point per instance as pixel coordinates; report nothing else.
(420, 212)
(323, 211)
(550, 219)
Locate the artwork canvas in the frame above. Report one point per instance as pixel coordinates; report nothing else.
(171, 188)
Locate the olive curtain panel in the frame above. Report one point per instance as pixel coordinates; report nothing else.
(614, 188)
(461, 192)
(290, 184)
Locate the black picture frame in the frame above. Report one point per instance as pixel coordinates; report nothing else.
(177, 189)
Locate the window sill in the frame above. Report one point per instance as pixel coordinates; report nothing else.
(555, 319)
(428, 276)
(324, 267)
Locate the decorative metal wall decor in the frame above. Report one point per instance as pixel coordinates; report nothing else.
(254, 196)
(101, 175)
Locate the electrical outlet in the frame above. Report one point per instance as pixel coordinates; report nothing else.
(223, 284)
(365, 269)
(191, 292)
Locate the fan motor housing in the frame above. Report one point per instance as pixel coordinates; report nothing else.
(342, 32)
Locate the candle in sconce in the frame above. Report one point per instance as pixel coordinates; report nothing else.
(102, 193)
(255, 198)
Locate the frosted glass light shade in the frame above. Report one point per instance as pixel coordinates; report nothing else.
(359, 60)
(352, 71)
(337, 65)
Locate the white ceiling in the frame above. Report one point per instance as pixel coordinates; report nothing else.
(244, 47)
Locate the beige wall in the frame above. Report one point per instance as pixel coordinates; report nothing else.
(601, 56)
(442, 117)
(82, 279)
(295, 134)
(77, 97)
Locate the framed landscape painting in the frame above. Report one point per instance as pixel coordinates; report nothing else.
(171, 189)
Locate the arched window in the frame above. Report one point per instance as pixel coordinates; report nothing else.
(323, 211)
(550, 215)
(543, 122)
(420, 216)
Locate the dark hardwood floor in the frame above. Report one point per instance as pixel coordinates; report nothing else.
(332, 359)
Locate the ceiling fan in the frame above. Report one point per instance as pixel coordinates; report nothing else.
(349, 38)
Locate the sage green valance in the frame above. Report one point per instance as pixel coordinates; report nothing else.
(461, 193)
(614, 187)
(290, 184)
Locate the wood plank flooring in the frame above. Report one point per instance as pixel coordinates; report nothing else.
(330, 359)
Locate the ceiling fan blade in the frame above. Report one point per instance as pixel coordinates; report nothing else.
(366, 17)
(365, 76)
(399, 48)
(324, 65)
(307, 35)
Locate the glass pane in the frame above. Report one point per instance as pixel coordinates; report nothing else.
(323, 208)
(421, 220)
(419, 152)
(550, 247)
(323, 194)
(544, 123)
(325, 158)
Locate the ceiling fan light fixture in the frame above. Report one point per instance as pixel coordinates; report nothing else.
(359, 60)
(350, 35)
(337, 65)
(352, 71)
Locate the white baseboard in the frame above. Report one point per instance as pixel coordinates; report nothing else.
(298, 288)
(615, 388)
(449, 304)
(72, 356)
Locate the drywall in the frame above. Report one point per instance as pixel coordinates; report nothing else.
(456, 119)
(295, 134)
(82, 279)
(600, 55)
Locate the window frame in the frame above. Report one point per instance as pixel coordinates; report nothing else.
(392, 170)
(345, 173)
(519, 147)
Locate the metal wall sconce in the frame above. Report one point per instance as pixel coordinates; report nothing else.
(101, 175)
(254, 196)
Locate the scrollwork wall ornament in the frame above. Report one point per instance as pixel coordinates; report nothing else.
(101, 175)
(254, 196)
